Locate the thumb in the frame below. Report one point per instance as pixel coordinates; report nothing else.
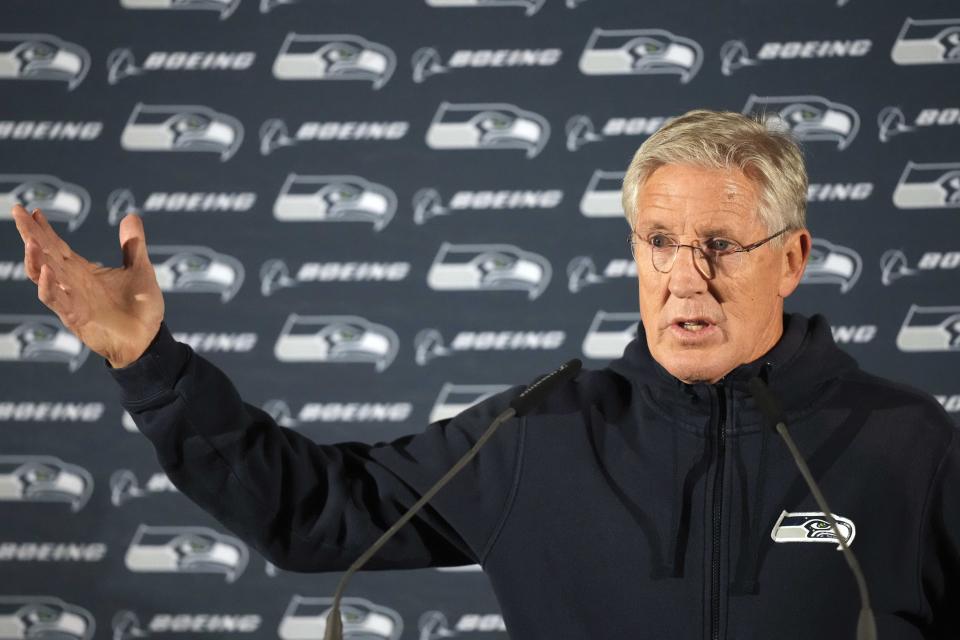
(133, 241)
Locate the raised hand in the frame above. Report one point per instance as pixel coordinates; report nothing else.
(116, 312)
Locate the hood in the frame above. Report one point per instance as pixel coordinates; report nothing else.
(800, 370)
(801, 367)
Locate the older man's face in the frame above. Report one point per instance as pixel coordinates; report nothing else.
(700, 329)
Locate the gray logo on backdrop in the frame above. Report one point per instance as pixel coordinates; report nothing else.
(185, 550)
(44, 479)
(41, 56)
(44, 618)
(928, 186)
(641, 52)
(336, 339)
(809, 118)
(334, 57)
(39, 338)
(60, 201)
(487, 126)
(181, 128)
(927, 42)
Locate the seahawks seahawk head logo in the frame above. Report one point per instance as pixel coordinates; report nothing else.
(832, 264)
(334, 199)
(41, 56)
(181, 128)
(928, 186)
(60, 201)
(641, 52)
(488, 267)
(610, 333)
(224, 7)
(808, 118)
(361, 619)
(44, 618)
(530, 6)
(812, 526)
(487, 126)
(928, 42)
(930, 329)
(334, 57)
(197, 269)
(336, 339)
(603, 196)
(39, 338)
(185, 550)
(44, 479)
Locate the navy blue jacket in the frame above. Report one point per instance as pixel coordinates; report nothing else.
(629, 505)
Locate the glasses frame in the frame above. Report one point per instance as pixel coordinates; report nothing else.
(635, 240)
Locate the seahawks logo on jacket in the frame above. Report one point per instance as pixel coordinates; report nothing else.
(808, 118)
(640, 52)
(812, 526)
(334, 57)
(44, 618)
(927, 42)
(487, 126)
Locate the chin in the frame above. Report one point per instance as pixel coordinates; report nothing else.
(693, 366)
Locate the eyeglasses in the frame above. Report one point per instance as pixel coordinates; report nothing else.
(715, 256)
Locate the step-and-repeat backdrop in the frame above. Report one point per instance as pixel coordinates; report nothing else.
(436, 183)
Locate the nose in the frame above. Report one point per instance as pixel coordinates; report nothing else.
(685, 278)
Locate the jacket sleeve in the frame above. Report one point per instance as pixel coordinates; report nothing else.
(317, 507)
(940, 566)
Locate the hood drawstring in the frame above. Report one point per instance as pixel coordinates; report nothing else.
(748, 566)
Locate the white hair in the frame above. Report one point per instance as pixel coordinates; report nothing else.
(765, 152)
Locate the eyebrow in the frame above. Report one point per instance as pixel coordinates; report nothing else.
(712, 232)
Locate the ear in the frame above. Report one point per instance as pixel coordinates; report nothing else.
(796, 252)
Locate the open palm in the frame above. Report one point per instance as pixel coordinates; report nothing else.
(116, 312)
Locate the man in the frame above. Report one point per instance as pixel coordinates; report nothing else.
(647, 499)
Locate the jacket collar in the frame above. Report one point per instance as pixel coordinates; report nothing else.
(799, 369)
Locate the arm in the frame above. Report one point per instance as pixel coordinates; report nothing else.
(312, 507)
(940, 562)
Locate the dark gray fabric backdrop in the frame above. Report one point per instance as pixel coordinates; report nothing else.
(372, 214)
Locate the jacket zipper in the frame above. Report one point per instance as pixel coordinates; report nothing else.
(717, 507)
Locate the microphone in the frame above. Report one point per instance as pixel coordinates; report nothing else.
(772, 411)
(520, 406)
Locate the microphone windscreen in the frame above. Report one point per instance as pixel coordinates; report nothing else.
(536, 392)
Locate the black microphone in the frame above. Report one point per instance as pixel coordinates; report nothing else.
(530, 398)
(772, 411)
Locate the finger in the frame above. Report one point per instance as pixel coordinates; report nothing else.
(50, 293)
(32, 260)
(26, 226)
(55, 241)
(133, 241)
